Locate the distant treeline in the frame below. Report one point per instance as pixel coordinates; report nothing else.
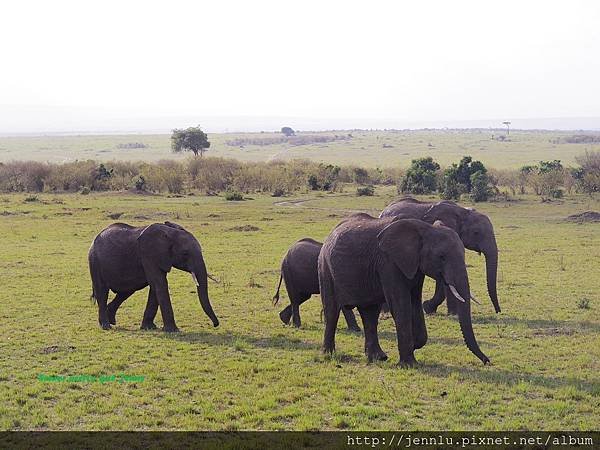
(582, 139)
(213, 175)
(303, 139)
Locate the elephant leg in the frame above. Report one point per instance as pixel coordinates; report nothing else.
(296, 315)
(161, 290)
(418, 318)
(370, 317)
(452, 305)
(101, 296)
(399, 299)
(431, 306)
(331, 310)
(113, 306)
(286, 314)
(351, 320)
(150, 312)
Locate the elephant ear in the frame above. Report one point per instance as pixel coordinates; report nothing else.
(402, 242)
(448, 212)
(155, 246)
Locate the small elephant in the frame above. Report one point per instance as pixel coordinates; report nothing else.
(125, 259)
(366, 261)
(299, 271)
(474, 229)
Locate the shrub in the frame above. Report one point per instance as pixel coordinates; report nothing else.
(234, 196)
(278, 192)
(140, 183)
(480, 187)
(588, 176)
(420, 178)
(365, 191)
(85, 190)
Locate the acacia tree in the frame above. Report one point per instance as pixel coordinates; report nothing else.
(191, 139)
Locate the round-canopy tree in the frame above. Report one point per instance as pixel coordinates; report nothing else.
(191, 139)
(287, 131)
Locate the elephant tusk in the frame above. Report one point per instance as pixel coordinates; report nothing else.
(474, 299)
(456, 294)
(195, 279)
(216, 280)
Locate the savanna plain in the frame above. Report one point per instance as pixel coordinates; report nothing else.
(253, 372)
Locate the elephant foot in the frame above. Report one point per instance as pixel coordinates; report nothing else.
(148, 326)
(285, 316)
(171, 329)
(106, 326)
(407, 362)
(354, 329)
(429, 307)
(297, 324)
(328, 349)
(377, 355)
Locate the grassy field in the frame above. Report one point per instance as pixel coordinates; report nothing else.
(365, 148)
(255, 373)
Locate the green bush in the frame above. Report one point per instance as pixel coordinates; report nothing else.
(365, 191)
(481, 190)
(421, 177)
(234, 196)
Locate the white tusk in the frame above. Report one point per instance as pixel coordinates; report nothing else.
(195, 279)
(212, 278)
(456, 294)
(474, 299)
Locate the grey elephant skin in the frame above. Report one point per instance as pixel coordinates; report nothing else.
(125, 259)
(367, 261)
(475, 230)
(301, 278)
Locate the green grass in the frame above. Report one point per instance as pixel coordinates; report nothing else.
(255, 373)
(366, 148)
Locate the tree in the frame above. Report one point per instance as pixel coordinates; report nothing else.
(458, 178)
(480, 187)
(192, 139)
(420, 177)
(507, 123)
(287, 131)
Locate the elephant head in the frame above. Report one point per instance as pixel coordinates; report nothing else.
(438, 252)
(477, 234)
(168, 245)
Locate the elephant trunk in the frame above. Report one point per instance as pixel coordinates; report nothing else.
(199, 275)
(491, 268)
(466, 325)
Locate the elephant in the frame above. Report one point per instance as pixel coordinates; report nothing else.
(367, 261)
(475, 230)
(299, 272)
(125, 259)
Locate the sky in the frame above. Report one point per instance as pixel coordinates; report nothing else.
(73, 65)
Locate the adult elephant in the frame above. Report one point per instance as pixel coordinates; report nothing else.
(125, 259)
(299, 272)
(475, 230)
(367, 261)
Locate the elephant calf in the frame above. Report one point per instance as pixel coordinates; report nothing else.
(125, 259)
(299, 272)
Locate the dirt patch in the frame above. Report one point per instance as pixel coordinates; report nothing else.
(213, 215)
(141, 217)
(244, 228)
(114, 216)
(587, 216)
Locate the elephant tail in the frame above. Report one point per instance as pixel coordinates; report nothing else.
(93, 297)
(276, 296)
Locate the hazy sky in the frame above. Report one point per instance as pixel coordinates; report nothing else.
(409, 60)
